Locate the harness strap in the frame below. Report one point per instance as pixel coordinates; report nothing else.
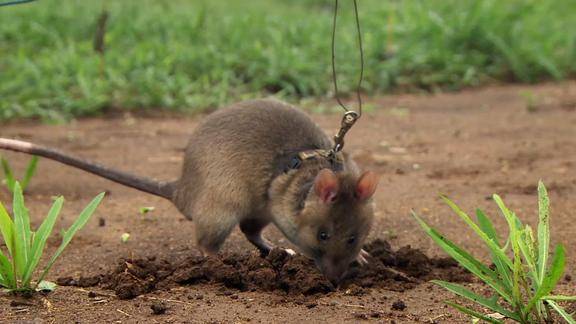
(295, 162)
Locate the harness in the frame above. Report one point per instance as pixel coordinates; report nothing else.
(295, 160)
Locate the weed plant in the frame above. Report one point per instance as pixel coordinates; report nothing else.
(522, 278)
(25, 247)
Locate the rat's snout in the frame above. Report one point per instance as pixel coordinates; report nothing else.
(333, 269)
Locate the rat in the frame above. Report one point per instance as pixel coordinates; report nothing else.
(254, 163)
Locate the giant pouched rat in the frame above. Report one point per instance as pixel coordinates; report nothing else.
(259, 162)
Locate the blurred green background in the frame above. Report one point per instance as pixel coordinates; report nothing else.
(191, 55)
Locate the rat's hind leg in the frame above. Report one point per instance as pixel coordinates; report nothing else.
(212, 229)
(252, 229)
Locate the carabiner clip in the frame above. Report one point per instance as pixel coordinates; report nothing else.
(348, 120)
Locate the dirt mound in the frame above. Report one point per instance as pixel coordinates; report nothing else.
(389, 269)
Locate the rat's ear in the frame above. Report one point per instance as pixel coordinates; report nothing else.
(326, 185)
(366, 185)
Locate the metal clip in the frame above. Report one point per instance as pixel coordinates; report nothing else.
(350, 117)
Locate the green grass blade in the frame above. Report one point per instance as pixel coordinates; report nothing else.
(7, 273)
(519, 277)
(40, 239)
(543, 229)
(30, 171)
(526, 244)
(7, 229)
(486, 225)
(491, 304)
(474, 313)
(466, 260)
(567, 317)
(8, 174)
(551, 279)
(75, 227)
(559, 298)
(21, 231)
(434, 234)
(489, 242)
(514, 236)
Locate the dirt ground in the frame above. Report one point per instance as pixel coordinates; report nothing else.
(466, 145)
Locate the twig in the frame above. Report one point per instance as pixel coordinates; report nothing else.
(100, 301)
(433, 319)
(343, 305)
(97, 293)
(140, 297)
(400, 274)
(166, 300)
(123, 312)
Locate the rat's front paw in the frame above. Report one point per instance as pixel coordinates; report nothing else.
(290, 251)
(361, 258)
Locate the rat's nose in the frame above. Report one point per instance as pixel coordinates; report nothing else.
(333, 270)
(334, 275)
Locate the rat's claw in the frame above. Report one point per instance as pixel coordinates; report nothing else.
(290, 251)
(365, 253)
(361, 258)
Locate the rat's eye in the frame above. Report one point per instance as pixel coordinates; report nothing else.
(351, 240)
(323, 236)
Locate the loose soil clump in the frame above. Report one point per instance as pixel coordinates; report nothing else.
(394, 270)
(158, 308)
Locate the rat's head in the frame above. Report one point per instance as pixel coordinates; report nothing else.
(335, 220)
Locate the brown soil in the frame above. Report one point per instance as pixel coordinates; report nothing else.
(466, 145)
(295, 275)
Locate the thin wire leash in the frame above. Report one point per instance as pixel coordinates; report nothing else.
(9, 3)
(350, 116)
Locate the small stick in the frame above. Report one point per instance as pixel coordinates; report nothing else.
(123, 312)
(343, 305)
(400, 274)
(100, 301)
(166, 300)
(433, 319)
(141, 297)
(97, 293)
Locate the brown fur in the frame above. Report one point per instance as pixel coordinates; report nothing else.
(230, 176)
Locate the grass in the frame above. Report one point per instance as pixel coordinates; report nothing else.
(190, 55)
(10, 180)
(25, 247)
(522, 278)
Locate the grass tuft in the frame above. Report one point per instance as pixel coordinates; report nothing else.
(26, 247)
(522, 279)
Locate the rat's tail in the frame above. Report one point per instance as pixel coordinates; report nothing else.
(162, 189)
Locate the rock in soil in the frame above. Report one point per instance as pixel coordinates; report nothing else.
(158, 308)
(399, 305)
